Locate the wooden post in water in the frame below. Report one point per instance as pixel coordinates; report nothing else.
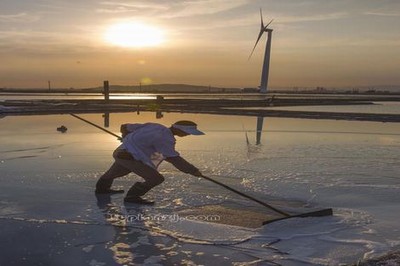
(106, 91)
(159, 114)
(106, 119)
(160, 99)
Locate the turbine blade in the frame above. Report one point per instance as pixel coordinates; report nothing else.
(262, 30)
(255, 45)
(262, 21)
(268, 24)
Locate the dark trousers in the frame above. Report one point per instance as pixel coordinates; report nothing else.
(125, 164)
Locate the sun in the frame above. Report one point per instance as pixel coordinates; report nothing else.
(134, 34)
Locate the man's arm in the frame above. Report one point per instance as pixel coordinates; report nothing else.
(183, 165)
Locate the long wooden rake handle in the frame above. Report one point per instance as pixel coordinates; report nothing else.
(246, 196)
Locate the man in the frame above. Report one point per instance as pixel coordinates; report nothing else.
(143, 148)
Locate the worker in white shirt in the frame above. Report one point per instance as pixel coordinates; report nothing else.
(143, 148)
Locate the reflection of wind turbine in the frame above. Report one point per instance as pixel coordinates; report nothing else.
(251, 148)
(260, 122)
(267, 54)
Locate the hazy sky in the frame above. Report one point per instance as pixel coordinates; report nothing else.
(205, 42)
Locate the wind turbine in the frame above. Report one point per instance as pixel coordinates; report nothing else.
(267, 54)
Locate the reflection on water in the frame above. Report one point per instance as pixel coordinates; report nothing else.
(260, 122)
(35, 137)
(118, 246)
(72, 96)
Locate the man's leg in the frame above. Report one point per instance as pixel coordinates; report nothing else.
(103, 185)
(150, 175)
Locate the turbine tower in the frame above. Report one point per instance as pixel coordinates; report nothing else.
(267, 54)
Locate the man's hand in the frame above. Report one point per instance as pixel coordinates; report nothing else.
(124, 130)
(197, 173)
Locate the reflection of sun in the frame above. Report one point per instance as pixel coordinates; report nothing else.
(133, 34)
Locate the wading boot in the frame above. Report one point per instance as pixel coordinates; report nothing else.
(103, 186)
(135, 192)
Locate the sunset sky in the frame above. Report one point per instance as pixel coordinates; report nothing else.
(79, 43)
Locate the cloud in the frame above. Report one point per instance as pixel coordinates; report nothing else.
(122, 7)
(16, 39)
(383, 14)
(319, 17)
(20, 17)
(43, 43)
(203, 7)
(386, 9)
(253, 19)
(172, 9)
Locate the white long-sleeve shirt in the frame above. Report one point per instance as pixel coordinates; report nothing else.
(150, 143)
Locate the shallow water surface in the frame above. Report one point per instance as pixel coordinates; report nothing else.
(50, 215)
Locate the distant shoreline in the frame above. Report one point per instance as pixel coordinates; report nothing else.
(198, 89)
(189, 95)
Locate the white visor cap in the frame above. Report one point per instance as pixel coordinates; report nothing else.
(191, 130)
